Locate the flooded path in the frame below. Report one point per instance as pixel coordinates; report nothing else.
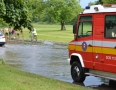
(48, 60)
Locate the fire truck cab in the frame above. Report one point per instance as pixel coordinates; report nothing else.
(93, 50)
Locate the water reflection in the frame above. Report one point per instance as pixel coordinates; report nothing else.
(46, 59)
(98, 87)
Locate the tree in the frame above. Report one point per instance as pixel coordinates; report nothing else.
(94, 3)
(36, 8)
(103, 2)
(15, 13)
(62, 10)
(109, 1)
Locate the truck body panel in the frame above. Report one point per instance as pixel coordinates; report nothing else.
(94, 46)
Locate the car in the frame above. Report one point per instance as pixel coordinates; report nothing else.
(2, 39)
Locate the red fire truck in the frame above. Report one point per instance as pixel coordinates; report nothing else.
(93, 50)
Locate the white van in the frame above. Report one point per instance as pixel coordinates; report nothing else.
(2, 39)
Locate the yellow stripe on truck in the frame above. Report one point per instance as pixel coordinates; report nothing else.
(71, 47)
(109, 51)
(79, 48)
(97, 49)
(102, 50)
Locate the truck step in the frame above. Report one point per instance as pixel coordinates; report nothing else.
(102, 74)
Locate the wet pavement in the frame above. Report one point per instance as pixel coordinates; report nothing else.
(46, 59)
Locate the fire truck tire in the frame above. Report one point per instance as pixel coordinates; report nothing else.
(77, 72)
(112, 83)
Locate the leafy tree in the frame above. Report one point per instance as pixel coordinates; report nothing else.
(15, 13)
(94, 3)
(109, 1)
(36, 8)
(3, 24)
(62, 10)
(103, 2)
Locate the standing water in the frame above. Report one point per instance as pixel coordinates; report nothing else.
(47, 59)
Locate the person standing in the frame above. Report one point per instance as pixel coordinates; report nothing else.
(6, 33)
(10, 32)
(22, 33)
(15, 34)
(34, 33)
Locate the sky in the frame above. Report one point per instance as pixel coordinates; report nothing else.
(84, 3)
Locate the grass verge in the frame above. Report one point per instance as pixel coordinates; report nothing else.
(14, 79)
(51, 33)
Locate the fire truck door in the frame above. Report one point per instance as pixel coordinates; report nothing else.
(109, 44)
(97, 41)
(98, 61)
(84, 43)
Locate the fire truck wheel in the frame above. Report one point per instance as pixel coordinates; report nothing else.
(112, 83)
(77, 72)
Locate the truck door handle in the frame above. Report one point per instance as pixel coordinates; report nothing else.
(90, 45)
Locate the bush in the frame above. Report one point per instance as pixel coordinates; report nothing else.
(2, 61)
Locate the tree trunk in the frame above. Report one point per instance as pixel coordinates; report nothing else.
(63, 26)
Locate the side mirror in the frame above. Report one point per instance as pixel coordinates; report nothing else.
(74, 30)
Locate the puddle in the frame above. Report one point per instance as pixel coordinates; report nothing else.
(46, 59)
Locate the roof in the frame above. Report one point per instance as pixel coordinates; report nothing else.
(99, 9)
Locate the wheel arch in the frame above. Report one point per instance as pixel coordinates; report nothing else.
(75, 57)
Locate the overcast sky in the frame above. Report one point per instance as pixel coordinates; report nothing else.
(84, 3)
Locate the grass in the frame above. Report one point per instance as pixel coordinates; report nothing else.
(51, 33)
(14, 79)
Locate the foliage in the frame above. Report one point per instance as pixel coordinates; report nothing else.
(2, 8)
(3, 23)
(15, 13)
(2, 61)
(62, 10)
(36, 8)
(20, 13)
(109, 1)
(103, 2)
(94, 3)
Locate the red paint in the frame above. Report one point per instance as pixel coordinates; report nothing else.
(98, 30)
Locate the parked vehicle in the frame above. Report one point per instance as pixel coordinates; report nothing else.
(93, 50)
(2, 39)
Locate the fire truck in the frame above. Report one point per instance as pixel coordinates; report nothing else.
(93, 50)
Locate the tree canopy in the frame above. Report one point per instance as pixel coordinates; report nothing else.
(36, 9)
(103, 2)
(20, 13)
(15, 13)
(109, 1)
(62, 10)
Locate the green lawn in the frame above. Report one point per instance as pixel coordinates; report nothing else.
(14, 79)
(51, 33)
